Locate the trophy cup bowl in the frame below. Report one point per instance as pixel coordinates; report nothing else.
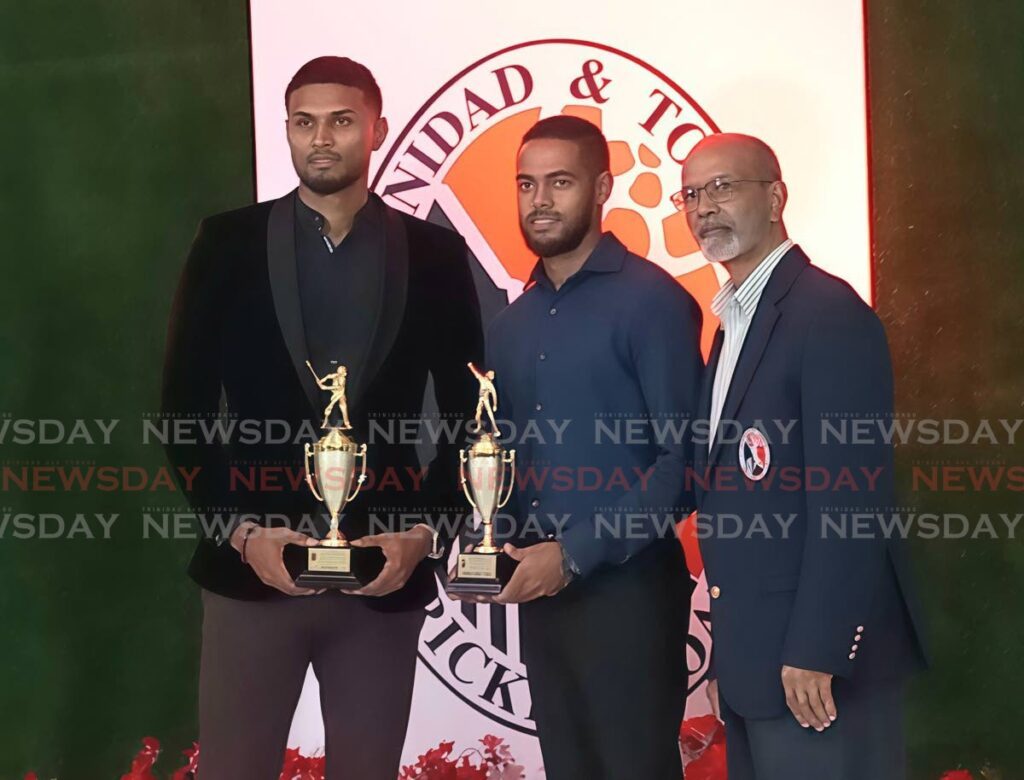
(333, 562)
(487, 476)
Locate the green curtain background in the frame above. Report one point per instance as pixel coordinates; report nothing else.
(126, 122)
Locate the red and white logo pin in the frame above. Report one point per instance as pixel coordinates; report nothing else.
(755, 455)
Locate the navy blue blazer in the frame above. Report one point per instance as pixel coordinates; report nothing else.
(799, 568)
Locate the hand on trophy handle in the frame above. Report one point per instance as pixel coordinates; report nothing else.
(309, 473)
(362, 475)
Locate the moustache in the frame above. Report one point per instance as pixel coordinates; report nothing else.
(707, 227)
(543, 215)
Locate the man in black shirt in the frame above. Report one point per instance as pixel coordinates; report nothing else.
(331, 275)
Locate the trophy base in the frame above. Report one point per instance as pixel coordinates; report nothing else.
(338, 568)
(481, 574)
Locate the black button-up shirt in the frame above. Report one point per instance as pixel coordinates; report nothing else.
(339, 286)
(599, 380)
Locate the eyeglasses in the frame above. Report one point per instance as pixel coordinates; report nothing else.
(718, 190)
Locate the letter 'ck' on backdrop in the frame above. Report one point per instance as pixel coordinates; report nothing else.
(462, 81)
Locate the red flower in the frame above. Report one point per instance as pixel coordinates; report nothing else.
(144, 760)
(957, 774)
(709, 766)
(702, 743)
(188, 772)
(300, 767)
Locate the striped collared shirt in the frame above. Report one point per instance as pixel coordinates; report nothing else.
(735, 307)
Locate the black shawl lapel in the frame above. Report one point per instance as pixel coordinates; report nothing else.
(394, 288)
(284, 286)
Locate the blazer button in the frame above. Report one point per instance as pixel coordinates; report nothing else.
(852, 656)
(856, 638)
(860, 629)
(715, 591)
(854, 648)
(535, 503)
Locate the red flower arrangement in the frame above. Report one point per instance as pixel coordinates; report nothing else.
(493, 761)
(701, 744)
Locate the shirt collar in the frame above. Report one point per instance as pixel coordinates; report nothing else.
(749, 293)
(313, 219)
(606, 257)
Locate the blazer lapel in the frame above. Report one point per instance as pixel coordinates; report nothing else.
(284, 286)
(700, 455)
(393, 291)
(782, 278)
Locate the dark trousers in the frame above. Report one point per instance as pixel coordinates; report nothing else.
(606, 661)
(254, 660)
(865, 741)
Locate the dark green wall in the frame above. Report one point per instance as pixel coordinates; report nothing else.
(947, 103)
(125, 122)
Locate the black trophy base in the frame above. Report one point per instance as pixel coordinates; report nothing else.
(338, 568)
(481, 574)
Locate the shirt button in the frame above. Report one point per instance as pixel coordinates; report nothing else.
(852, 656)
(553, 311)
(542, 356)
(535, 503)
(539, 407)
(715, 591)
(860, 629)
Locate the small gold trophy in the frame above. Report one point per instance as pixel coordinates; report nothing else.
(487, 476)
(334, 563)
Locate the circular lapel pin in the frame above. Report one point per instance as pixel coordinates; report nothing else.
(755, 455)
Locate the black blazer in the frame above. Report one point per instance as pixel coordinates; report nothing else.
(807, 597)
(236, 328)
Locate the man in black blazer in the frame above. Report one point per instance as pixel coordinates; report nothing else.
(328, 273)
(813, 612)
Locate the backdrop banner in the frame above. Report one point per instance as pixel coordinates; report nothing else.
(462, 81)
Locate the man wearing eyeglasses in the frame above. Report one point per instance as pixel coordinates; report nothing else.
(814, 625)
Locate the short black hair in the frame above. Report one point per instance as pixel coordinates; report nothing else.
(337, 70)
(586, 135)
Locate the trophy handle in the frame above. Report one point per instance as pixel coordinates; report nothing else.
(309, 474)
(508, 458)
(462, 479)
(362, 475)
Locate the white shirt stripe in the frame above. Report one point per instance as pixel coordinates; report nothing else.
(736, 307)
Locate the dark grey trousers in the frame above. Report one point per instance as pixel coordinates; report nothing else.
(865, 741)
(254, 660)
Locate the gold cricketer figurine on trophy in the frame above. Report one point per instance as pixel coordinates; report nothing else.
(487, 477)
(333, 562)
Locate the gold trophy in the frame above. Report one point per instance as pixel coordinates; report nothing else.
(487, 477)
(333, 461)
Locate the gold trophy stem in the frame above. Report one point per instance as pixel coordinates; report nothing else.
(334, 538)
